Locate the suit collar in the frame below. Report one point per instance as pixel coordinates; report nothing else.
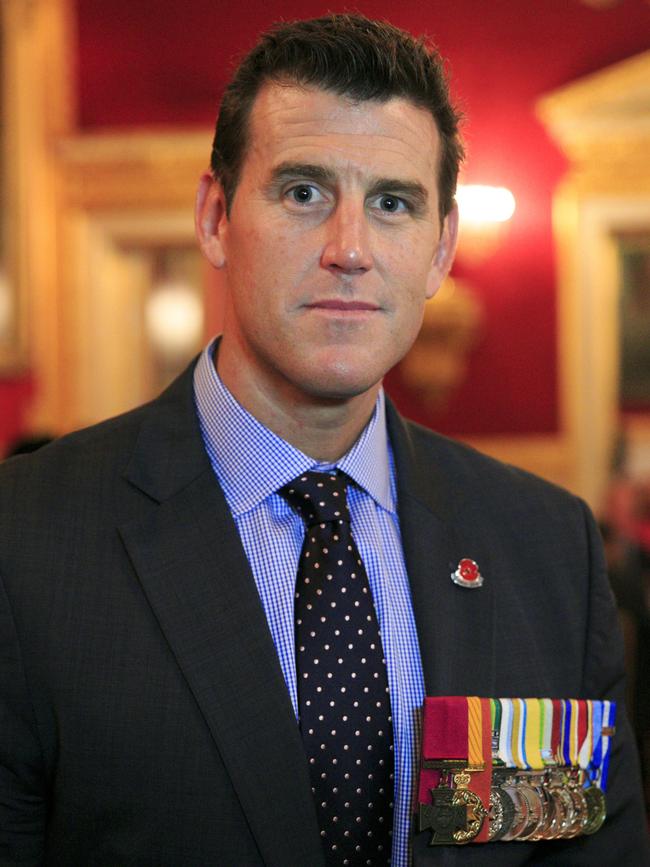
(418, 477)
(168, 453)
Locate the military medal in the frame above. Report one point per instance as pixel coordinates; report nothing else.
(513, 769)
(528, 804)
(531, 775)
(596, 809)
(443, 817)
(602, 712)
(454, 733)
(521, 816)
(501, 812)
(475, 811)
(556, 819)
(548, 827)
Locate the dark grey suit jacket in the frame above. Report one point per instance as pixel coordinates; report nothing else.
(144, 719)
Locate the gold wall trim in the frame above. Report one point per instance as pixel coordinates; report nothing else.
(602, 123)
(37, 107)
(119, 194)
(133, 170)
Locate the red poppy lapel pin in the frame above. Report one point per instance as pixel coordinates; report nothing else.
(467, 574)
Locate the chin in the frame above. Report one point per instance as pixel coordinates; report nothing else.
(340, 384)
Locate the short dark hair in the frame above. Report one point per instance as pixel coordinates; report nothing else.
(349, 55)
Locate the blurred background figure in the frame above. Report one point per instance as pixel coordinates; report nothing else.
(626, 534)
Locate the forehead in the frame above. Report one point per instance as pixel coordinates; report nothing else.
(289, 123)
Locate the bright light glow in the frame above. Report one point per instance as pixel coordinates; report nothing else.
(482, 204)
(174, 317)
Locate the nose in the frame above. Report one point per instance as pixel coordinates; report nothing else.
(347, 245)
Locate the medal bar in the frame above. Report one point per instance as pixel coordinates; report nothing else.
(513, 769)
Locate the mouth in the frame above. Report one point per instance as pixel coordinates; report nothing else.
(338, 305)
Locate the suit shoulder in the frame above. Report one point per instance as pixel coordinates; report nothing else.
(474, 471)
(77, 458)
(80, 453)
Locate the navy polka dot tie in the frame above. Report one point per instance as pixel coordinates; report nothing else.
(344, 705)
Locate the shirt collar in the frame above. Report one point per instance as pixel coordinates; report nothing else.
(252, 462)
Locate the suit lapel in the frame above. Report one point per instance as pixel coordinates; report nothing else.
(190, 562)
(455, 624)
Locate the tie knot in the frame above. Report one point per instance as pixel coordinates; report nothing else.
(318, 497)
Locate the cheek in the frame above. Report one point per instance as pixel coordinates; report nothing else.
(265, 252)
(247, 264)
(410, 305)
(411, 278)
(409, 260)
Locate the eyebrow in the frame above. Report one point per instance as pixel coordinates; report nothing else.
(291, 171)
(288, 171)
(412, 190)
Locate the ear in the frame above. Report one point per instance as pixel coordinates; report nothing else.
(445, 252)
(211, 220)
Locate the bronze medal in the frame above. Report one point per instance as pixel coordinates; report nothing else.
(563, 807)
(522, 811)
(564, 804)
(535, 810)
(596, 808)
(549, 825)
(581, 816)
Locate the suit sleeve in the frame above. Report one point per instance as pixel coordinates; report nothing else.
(22, 788)
(623, 839)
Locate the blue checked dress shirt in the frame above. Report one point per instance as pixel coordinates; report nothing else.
(252, 464)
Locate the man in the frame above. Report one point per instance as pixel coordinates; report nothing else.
(158, 707)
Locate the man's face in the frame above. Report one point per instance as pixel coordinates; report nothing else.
(333, 243)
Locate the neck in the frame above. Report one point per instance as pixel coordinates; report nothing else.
(323, 428)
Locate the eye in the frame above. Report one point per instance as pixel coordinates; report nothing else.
(304, 194)
(389, 204)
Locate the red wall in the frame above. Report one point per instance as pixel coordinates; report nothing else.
(15, 394)
(159, 62)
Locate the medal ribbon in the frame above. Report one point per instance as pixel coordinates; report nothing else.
(609, 720)
(505, 752)
(547, 731)
(533, 733)
(597, 752)
(571, 733)
(495, 717)
(444, 736)
(556, 731)
(566, 732)
(474, 732)
(445, 728)
(574, 742)
(585, 734)
(479, 749)
(517, 739)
